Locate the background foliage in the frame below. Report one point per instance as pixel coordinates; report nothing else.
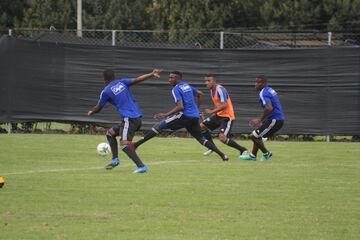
(183, 14)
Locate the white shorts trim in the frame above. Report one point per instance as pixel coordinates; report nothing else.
(266, 130)
(228, 127)
(125, 130)
(174, 117)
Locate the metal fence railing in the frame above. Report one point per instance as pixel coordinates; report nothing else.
(189, 39)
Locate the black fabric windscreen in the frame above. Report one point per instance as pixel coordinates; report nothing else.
(318, 88)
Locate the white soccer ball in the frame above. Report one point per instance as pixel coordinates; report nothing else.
(103, 149)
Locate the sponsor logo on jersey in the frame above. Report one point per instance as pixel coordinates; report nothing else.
(118, 88)
(185, 88)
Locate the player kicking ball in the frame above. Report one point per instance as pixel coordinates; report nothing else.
(118, 94)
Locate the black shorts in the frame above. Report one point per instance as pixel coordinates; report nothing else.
(177, 121)
(268, 128)
(126, 130)
(214, 121)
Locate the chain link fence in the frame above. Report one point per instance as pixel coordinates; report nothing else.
(189, 39)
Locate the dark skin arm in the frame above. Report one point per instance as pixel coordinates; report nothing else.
(97, 108)
(179, 107)
(198, 98)
(219, 108)
(267, 110)
(154, 73)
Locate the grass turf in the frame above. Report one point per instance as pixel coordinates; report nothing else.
(56, 188)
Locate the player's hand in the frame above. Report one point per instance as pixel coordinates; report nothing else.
(160, 116)
(202, 116)
(90, 113)
(156, 72)
(255, 122)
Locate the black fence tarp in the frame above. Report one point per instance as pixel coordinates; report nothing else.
(319, 88)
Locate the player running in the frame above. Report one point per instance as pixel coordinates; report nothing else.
(184, 115)
(270, 121)
(221, 116)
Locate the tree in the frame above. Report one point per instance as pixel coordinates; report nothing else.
(341, 14)
(46, 13)
(11, 12)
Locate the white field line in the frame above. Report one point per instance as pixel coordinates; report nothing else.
(88, 168)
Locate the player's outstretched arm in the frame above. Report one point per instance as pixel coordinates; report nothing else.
(154, 73)
(94, 110)
(179, 107)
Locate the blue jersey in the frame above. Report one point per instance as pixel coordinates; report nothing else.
(186, 93)
(118, 94)
(269, 95)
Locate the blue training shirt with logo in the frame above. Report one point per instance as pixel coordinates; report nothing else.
(118, 94)
(186, 93)
(269, 95)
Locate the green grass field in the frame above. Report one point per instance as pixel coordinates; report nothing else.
(56, 188)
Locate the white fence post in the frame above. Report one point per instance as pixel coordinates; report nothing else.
(10, 32)
(9, 127)
(221, 40)
(329, 38)
(113, 37)
(79, 32)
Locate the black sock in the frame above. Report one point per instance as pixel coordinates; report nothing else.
(233, 144)
(208, 136)
(113, 145)
(147, 137)
(132, 155)
(212, 146)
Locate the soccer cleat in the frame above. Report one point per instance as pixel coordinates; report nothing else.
(225, 158)
(115, 162)
(244, 153)
(249, 157)
(208, 152)
(143, 169)
(266, 156)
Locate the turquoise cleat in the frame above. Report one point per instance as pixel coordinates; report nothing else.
(115, 162)
(266, 156)
(143, 169)
(249, 157)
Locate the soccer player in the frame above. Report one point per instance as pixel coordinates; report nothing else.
(118, 94)
(270, 121)
(184, 115)
(221, 116)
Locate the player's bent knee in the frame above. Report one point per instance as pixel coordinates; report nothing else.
(110, 132)
(123, 146)
(222, 138)
(254, 135)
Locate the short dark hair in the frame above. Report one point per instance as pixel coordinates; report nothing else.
(262, 78)
(177, 73)
(109, 74)
(210, 75)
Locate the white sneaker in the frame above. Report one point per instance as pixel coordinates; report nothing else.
(245, 153)
(208, 152)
